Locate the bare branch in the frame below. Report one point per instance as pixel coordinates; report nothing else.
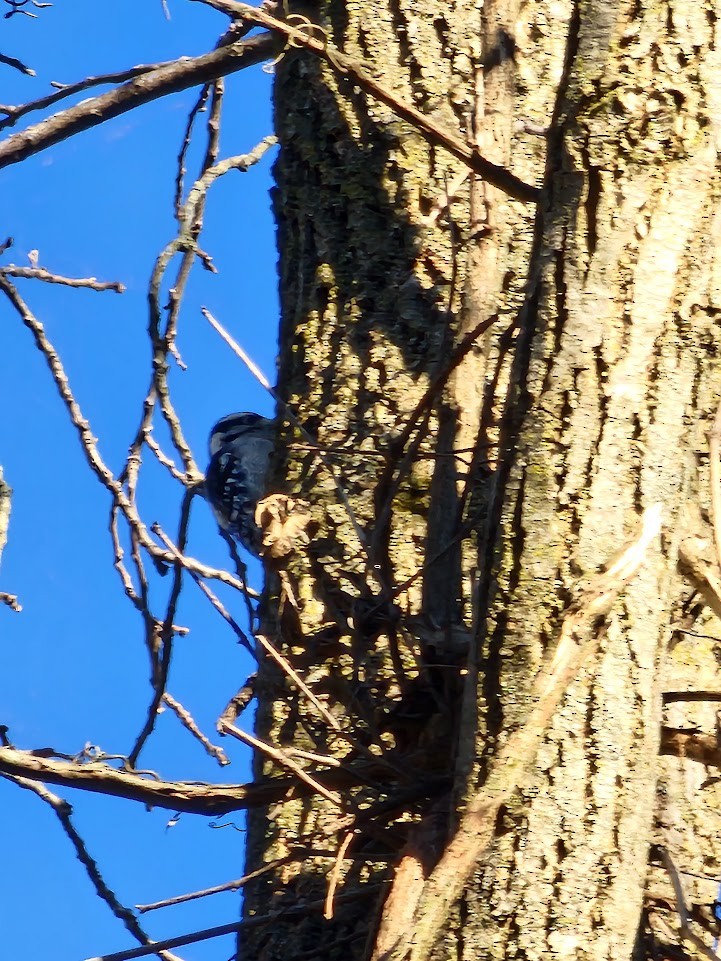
(17, 64)
(63, 810)
(335, 875)
(198, 106)
(282, 758)
(186, 719)
(40, 273)
(214, 600)
(359, 73)
(208, 800)
(160, 642)
(190, 218)
(166, 79)
(293, 910)
(13, 114)
(89, 446)
(216, 889)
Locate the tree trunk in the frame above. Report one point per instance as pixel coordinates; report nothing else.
(470, 523)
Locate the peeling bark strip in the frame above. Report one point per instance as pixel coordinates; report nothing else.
(410, 930)
(5, 499)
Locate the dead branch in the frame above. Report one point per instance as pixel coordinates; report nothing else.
(335, 875)
(211, 596)
(17, 65)
(13, 114)
(63, 810)
(166, 79)
(40, 273)
(305, 36)
(291, 910)
(284, 760)
(190, 220)
(196, 109)
(159, 642)
(187, 797)
(216, 889)
(188, 722)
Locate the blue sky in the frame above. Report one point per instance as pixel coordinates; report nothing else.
(74, 665)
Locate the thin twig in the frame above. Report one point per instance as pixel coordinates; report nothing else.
(335, 876)
(285, 666)
(197, 107)
(13, 114)
(208, 800)
(684, 915)
(190, 222)
(212, 597)
(89, 446)
(281, 758)
(17, 65)
(186, 719)
(159, 82)
(63, 810)
(217, 889)
(163, 459)
(160, 645)
(40, 273)
(292, 910)
(216, 106)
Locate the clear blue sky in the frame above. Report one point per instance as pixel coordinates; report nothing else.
(74, 665)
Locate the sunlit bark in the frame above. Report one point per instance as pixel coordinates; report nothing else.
(585, 404)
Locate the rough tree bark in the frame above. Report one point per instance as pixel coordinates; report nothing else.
(587, 402)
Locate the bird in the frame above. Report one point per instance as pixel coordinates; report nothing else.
(240, 447)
